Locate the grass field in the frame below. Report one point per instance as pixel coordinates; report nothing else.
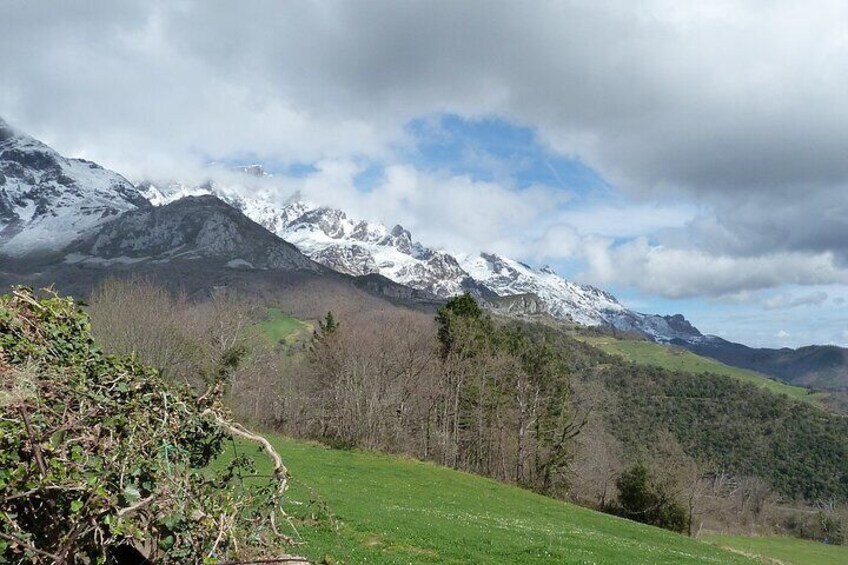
(279, 327)
(379, 509)
(673, 358)
(786, 551)
(393, 510)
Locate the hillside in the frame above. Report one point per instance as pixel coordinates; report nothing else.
(649, 353)
(720, 416)
(385, 509)
(356, 506)
(820, 367)
(798, 448)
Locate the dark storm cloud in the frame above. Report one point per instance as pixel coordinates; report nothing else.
(748, 96)
(740, 95)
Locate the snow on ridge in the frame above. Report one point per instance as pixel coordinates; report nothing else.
(47, 200)
(328, 236)
(564, 299)
(358, 247)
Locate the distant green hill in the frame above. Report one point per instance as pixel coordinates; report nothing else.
(819, 367)
(678, 359)
(388, 509)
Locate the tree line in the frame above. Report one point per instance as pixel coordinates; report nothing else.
(519, 402)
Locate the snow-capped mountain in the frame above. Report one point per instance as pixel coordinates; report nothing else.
(330, 237)
(358, 247)
(583, 304)
(566, 300)
(47, 200)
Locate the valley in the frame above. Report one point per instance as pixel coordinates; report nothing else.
(644, 352)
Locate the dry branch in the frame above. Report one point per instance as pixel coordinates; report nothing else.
(25, 545)
(280, 470)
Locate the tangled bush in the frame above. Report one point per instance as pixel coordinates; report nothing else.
(99, 456)
(644, 500)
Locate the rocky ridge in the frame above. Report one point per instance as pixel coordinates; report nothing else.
(358, 247)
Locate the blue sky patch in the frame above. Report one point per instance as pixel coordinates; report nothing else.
(495, 150)
(371, 175)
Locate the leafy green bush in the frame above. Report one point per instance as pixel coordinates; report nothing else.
(643, 500)
(99, 454)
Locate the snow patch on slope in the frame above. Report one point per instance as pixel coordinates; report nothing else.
(583, 304)
(47, 200)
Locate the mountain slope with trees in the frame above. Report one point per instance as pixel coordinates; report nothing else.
(523, 403)
(51, 205)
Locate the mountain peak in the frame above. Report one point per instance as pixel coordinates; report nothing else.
(6, 131)
(399, 231)
(255, 170)
(13, 138)
(47, 200)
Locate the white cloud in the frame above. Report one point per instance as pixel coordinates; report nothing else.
(558, 241)
(785, 301)
(452, 212)
(679, 273)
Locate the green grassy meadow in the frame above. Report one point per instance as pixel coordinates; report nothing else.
(783, 550)
(279, 327)
(677, 359)
(377, 508)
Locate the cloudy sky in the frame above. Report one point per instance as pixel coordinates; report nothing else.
(689, 156)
